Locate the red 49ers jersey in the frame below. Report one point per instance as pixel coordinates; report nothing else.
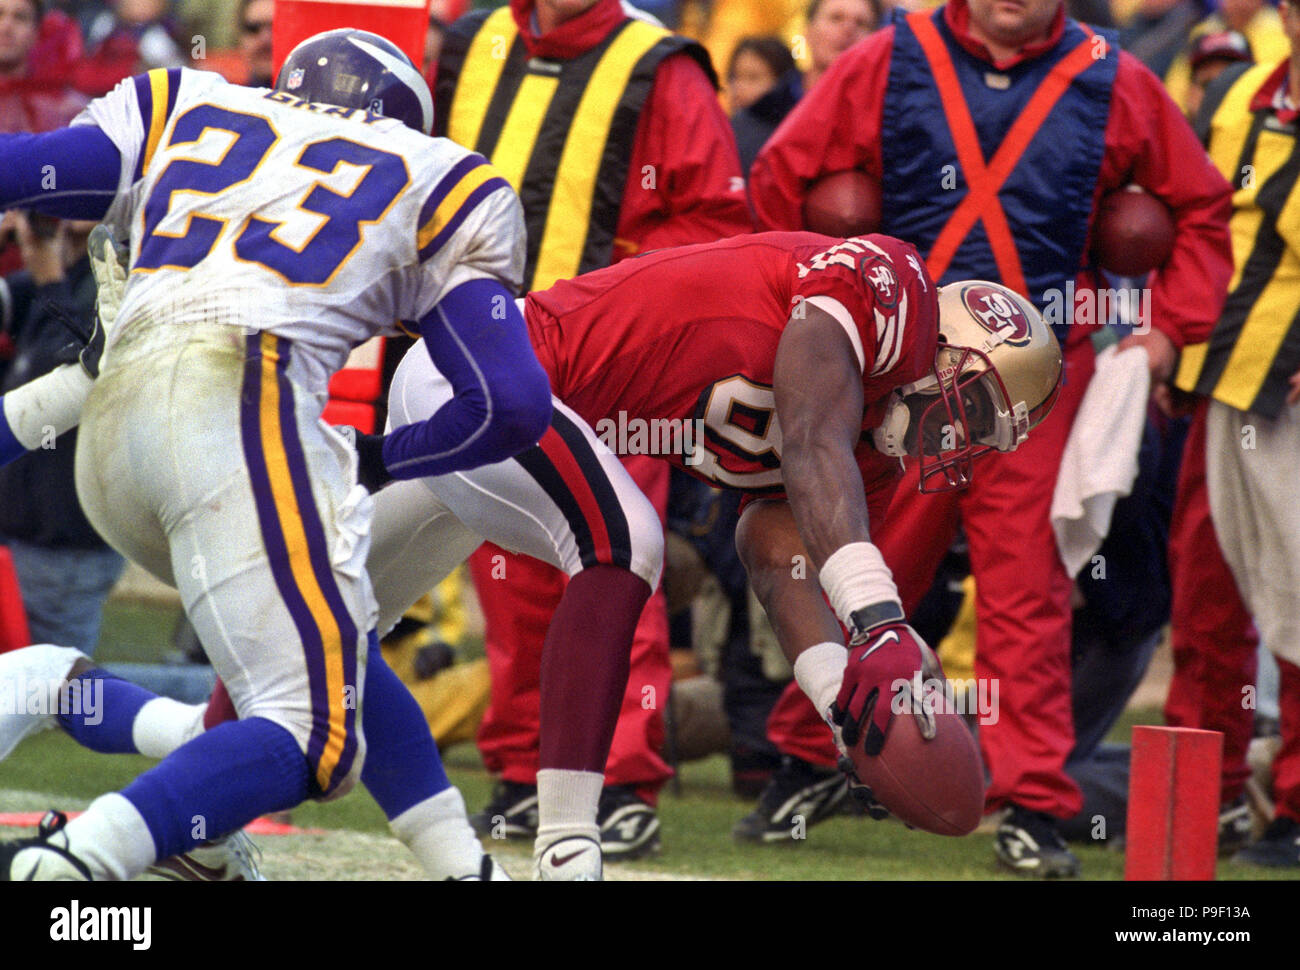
(672, 353)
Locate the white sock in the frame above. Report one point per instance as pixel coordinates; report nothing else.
(820, 671)
(566, 805)
(111, 838)
(438, 833)
(30, 683)
(162, 725)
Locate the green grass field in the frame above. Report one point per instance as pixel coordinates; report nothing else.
(696, 823)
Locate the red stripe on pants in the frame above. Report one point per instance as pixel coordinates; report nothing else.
(517, 611)
(557, 450)
(1213, 639)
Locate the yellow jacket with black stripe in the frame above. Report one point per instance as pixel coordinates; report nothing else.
(1255, 347)
(560, 131)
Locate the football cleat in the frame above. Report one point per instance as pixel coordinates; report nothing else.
(231, 858)
(629, 827)
(1030, 844)
(799, 796)
(573, 859)
(1235, 826)
(511, 814)
(357, 69)
(45, 857)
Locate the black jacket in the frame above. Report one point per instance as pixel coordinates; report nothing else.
(38, 492)
(754, 125)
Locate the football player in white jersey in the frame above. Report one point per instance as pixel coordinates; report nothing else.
(271, 231)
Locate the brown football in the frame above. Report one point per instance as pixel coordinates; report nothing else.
(843, 204)
(937, 785)
(1133, 232)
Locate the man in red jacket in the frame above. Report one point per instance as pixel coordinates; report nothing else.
(611, 131)
(1006, 123)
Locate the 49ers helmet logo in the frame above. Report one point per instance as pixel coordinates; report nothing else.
(997, 313)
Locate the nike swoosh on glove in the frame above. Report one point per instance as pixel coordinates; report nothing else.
(878, 681)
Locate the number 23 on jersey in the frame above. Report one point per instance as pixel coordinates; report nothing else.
(316, 261)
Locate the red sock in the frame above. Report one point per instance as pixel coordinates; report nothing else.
(585, 665)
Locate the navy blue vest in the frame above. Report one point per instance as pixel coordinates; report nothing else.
(1047, 198)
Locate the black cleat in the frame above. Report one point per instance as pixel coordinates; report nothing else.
(629, 827)
(1030, 843)
(799, 796)
(511, 814)
(1234, 826)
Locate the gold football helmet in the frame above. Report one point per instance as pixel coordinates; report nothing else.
(996, 375)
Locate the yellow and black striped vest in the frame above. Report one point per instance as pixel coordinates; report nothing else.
(1255, 347)
(561, 132)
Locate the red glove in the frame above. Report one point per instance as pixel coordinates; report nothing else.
(880, 680)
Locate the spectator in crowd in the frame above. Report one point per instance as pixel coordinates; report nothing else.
(255, 40)
(1256, 20)
(36, 58)
(1249, 371)
(668, 176)
(757, 64)
(1211, 55)
(833, 27)
(131, 37)
(1022, 217)
(441, 13)
(65, 570)
(33, 95)
(763, 86)
(1159, 31)
(250, 62)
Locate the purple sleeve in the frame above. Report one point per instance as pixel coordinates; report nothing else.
(502, 404)
(71, 173)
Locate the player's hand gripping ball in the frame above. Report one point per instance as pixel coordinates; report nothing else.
(901, 740)
(882, 664)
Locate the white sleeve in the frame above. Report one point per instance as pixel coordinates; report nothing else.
(483, 237)
(44, 408)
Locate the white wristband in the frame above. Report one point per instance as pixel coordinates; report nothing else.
(855, 576)
(44, 408)
(819, 671)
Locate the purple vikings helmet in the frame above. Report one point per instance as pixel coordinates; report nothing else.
(357, 69)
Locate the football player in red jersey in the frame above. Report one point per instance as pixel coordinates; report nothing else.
(811, 366)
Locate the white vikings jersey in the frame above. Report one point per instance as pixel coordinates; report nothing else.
(318, 224)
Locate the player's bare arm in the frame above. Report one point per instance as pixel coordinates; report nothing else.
(818, 388)
(771, 549)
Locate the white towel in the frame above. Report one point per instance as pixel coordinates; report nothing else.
(1100, 460)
